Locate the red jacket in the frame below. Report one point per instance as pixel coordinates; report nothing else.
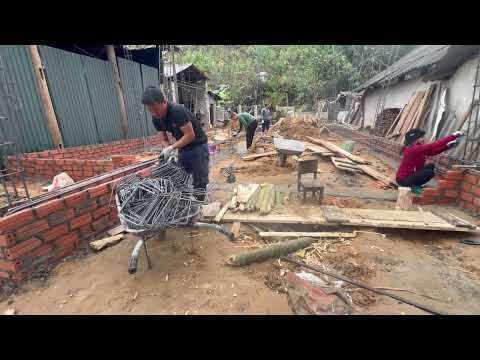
(414, 155)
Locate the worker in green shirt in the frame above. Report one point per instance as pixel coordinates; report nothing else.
(246, 121)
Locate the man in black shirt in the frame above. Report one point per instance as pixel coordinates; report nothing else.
(191, 140)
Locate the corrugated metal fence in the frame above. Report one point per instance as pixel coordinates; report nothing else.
(83, 94)
(25, 121)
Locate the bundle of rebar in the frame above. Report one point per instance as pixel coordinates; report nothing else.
(165, 199)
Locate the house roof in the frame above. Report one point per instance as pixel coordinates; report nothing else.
(216, 97)
(440, 61)
(200, 75)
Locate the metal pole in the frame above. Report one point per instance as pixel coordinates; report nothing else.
(175, 96)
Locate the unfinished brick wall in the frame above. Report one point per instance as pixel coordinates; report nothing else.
(78, 162)
(51, 230)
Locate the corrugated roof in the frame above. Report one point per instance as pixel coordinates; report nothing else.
(182, 67)
(441, 61)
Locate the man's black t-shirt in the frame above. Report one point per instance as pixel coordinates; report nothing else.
(176, 117)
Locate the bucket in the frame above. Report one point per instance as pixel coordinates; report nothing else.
(348, 146)
(212, 149)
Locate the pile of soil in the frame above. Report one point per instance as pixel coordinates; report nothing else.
(295, 128)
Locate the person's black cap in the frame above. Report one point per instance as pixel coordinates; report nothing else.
(412, 135)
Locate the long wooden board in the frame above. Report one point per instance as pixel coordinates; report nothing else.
(306, 234)
(405, 113)
(376, 175)
(356, 217)
(424, 106)
(317, 149)
(256, 156)
(338, 150)
(345, 166)
(411, 115)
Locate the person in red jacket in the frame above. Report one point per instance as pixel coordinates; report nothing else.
(412, 171)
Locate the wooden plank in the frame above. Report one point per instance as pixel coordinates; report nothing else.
(117, 230)
(317, 149)
(424, 106)
(344, 160)
(236, 229)
(306, 234)
(376, 175)
(319, 220)
(345, 167)
(109, 241)
(395, 121)
(338, 150)
(388, 215)
(257, 156)
(409, 118)
(222, 212)
(406, 113)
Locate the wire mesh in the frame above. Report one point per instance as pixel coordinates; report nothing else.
(166, 199)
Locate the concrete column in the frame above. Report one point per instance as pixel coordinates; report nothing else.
(118, 85)
(47, 104)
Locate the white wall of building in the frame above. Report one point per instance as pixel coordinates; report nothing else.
(460, 88)
(397, 96)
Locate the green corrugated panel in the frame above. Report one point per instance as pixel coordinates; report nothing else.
(149, 77)
(101, 86)
(131, 76)
(71, 101)
(28, 125)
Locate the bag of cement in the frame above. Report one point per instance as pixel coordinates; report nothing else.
(60, 181)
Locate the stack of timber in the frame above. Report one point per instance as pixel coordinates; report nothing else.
(412, 115)
(255, 197)
(353, 164)
(384, 121)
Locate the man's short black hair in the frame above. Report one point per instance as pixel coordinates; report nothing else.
(151, 95)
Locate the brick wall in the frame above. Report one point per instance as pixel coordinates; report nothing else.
(78, 162)
(51, 230)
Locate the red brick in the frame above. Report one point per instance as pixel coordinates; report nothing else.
(100, 212)
(76, 198)
(4, 275)
(466, 187)
(78, 174)
(466, 196)
(86, 230)
(476, 201)
(471, 179)
(61, 217)
(22, 248)
(80, 221)
(98, 190)
(145, 172)
(454, 175)
(41, 251)
(68, 240)
(7, 239)
(48, 207)
(22, 275)
(10, 265)
(476, 190)
(430, 192)
(105, 200)
(447, 184)
(443, 201)
(16, 220)
(451, 193)
(32, 229)
(101, 223)
(55, 233)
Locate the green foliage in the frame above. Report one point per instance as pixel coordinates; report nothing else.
(296, 74)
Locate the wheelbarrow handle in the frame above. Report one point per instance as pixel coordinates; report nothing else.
(133, 262)
(216, 227)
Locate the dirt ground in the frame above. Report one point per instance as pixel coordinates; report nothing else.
(189, 275)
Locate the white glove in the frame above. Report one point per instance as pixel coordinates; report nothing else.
(166, 152)
(452, 144)
(458, 134)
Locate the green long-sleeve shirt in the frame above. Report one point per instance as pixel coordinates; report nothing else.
(245, 120)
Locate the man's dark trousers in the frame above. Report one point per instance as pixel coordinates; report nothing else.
(195, 161)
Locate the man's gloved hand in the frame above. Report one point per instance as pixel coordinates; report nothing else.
(458, 134)
(166, 152)
(452, 144)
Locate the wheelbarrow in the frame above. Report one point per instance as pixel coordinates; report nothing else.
(285, 148)
(147, 233)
